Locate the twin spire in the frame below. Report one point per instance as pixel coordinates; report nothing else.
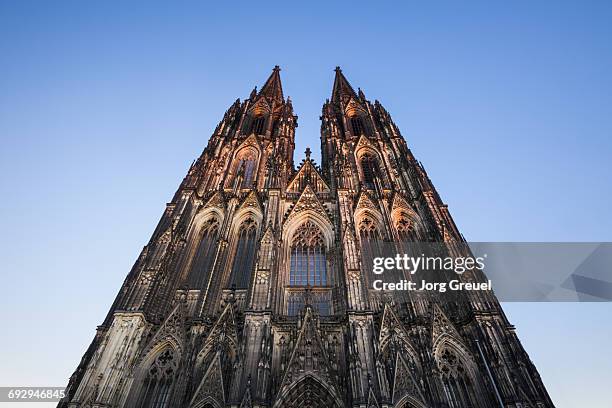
(273, 88)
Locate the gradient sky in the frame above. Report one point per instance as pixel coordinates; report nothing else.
(103, 107)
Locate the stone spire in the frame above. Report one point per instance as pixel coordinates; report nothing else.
(273, 88)
(342, 88)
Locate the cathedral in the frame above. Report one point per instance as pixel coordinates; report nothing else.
(252, 290)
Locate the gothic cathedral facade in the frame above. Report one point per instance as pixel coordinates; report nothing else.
(251, 291)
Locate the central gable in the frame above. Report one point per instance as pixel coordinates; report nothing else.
(308, 174)
(308, 201)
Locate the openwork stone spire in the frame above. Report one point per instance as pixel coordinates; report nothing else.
(342, 88)
(273, 88)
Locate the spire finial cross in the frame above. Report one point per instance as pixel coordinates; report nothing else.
(307, 152)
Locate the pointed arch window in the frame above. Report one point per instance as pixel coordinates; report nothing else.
(308, 265)
(369, 167)
(458, 387)
(276, 126)
(159, 380)
(246, 166)
(204, 256)
(407, 239)
(258, 125)
(308, 274)
(371, 243)
(405, 228)
(357, 126)
(244, 255)
(244, 169)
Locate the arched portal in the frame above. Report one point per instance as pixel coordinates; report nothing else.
(410, 402)
(207, 403)
(309, 393)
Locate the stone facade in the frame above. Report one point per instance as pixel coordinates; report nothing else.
(251, 293)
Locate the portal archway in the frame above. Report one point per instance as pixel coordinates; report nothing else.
(309, 392)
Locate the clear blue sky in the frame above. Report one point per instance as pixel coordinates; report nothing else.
(103, 106)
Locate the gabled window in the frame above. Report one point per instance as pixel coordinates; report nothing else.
(371, 244)
(275, 126)
(204, 256)
(308, 265)
(244, 256)
(258, 124)
(458, 386)
(158, 382)
(308, 271)
(357, 126)
(247, 167)
(369, 167)
(405, 228)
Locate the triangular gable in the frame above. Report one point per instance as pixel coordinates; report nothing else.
(372, 401)
(224, 328)
(251, 140)
(266, 249)
(171, 331)
(404, 382)
(318, 362)
(308, 201)
(251, 201)
(247, 400)
(211, 386)
(391, 327)
(364, 141)
(400, 203)
(364, 201)
(307, 169)
(261, 105)
(268, 235)
(441, 326)
(353, 105)
(216, 200)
